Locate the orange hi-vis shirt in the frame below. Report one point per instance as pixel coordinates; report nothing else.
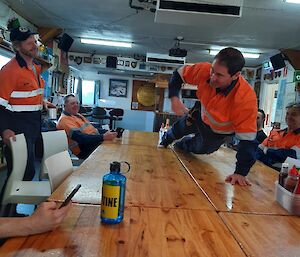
(233, 112)
(21, 88)
(71, 123)
(283, 139)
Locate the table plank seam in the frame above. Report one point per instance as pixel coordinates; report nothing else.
(231, 232)
(193, 178)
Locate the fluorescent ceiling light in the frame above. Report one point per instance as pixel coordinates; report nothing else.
(292, 1)
(105, 42)
(246, 55)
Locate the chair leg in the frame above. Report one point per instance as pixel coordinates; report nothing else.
(111, 124)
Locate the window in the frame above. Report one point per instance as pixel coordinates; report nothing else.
(75, 88)
(88, 92)
(3, 60)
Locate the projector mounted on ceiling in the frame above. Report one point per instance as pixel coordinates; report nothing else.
(176, 51)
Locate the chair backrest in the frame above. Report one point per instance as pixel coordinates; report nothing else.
(116, 112)
(99, 111)
(19, 160)
(53, 142)
(17, 190)
(59, 167)
(19, 157)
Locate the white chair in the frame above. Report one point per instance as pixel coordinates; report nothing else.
(17, 190)
(53, 142)
(59, 166)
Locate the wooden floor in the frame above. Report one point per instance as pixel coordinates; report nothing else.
(177, 204)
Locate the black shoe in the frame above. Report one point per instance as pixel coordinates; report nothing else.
(166, 140)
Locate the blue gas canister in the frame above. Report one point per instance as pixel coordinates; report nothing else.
(113, 194)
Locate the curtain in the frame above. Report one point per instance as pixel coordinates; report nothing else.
(79, 90)
(97, 92)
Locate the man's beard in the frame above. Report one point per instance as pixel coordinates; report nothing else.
(30, 54)
(212, 85)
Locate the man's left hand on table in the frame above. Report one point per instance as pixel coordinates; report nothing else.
(237, 179)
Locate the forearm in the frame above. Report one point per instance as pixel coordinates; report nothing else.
(279, 155)
(11, 227)
(175, 84)
(246, 156)
(84, 139)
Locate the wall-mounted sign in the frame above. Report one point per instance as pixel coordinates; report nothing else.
(297, 76)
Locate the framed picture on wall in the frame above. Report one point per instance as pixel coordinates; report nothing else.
(118, 87)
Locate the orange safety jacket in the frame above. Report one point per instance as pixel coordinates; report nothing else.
(232, 112)
(72, 123)
(21, 87)
(21, 97)
(283, 139)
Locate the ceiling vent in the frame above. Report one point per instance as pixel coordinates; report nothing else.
(165, 59)
(193, 12)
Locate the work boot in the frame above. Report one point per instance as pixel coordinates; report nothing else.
(167, 138)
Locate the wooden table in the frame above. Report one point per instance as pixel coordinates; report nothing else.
(210, 172)
(171, 210)
(144, 231)
(156, 179)
(265, 235)
(136, 138)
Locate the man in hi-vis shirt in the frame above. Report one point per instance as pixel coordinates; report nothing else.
(21, 96)
(227, 106)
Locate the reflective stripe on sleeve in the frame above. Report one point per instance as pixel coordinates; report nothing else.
(24, 108)
(246, 136)
(24, 94)
(3, 102)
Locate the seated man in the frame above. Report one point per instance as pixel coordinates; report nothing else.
(46, 217)
(83, 137)
(261, 116)
(282, 143)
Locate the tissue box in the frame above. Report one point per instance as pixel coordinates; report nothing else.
(288, 200)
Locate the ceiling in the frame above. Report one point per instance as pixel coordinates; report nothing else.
(265, 27)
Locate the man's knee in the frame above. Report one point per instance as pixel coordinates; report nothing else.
(200, 147)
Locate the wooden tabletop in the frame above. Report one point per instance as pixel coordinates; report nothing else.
(210, 172)
(136, 138)
(156, 179)
(171, 210)
(152, 232)
(265, 235)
